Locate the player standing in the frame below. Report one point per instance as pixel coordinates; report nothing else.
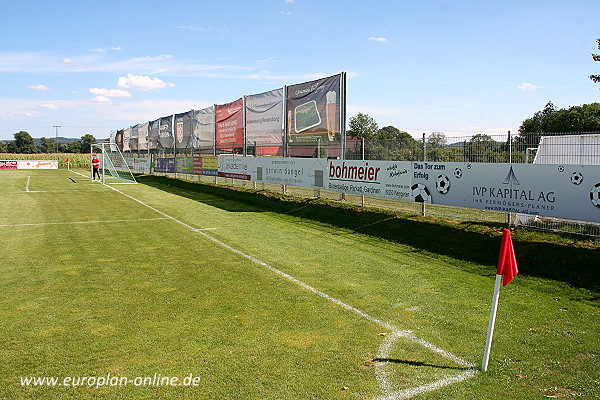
(95, 167)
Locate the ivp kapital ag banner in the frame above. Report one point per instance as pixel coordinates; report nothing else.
(562, 191)
(313, 111)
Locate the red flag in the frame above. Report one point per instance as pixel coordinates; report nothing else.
(507, 261)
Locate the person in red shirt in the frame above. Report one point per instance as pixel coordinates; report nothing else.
(95, 167)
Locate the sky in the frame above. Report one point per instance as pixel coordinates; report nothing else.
(460, 67)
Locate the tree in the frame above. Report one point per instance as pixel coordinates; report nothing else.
(71, 147)
(596, 57)
(24, 143)
(47, 145)
(86, 141)
(3, 147)
(436, 140)
(362, 126)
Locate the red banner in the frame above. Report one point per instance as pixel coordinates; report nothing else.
(5, 164)
(230, 131)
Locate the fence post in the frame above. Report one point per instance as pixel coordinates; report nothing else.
(423, 208)
(509, 162)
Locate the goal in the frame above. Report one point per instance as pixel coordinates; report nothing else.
(113, 166)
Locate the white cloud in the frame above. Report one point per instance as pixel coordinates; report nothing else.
(67, 61)
(49, 106)
(109, 92)
(285, 13)
(527, 87)
(140, 82)
(377, 39)
(102, 99)
(289, 1)
(39, 88)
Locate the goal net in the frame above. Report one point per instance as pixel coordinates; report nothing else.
(113, 166)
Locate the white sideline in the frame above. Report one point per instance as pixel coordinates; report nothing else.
(84, 222)
(386, 345)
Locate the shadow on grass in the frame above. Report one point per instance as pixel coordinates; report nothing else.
(416, 363)
(544, 255)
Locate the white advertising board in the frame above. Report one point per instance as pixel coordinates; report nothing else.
(551, 190)
(38, 164)
(389, 179)
(304, 172)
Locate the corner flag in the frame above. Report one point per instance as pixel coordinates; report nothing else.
(507, 261)
(507, 269)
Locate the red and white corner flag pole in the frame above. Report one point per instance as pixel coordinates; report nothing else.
(507, 267)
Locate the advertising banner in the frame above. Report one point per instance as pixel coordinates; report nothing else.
(237, 167)
(141, 165)
(8, 164)
(38, 164)
(303, 172)
(184, 165)
(313, 111)
(183, 130)
(153, 134)
(165, 134)
(133, 140)
(566, 191)
(143, 136)
(204, 128)
(164, 164)
(264, 118)
(119, 139)
(389, 179)
(126, 138)
(206, 165)
(230, 130)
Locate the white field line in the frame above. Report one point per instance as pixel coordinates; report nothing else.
(396, 332)
(27, 186)
(84, 222)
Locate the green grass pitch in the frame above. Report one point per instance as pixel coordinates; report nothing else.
(259, 298)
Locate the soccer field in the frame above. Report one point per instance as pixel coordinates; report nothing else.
(182, 291)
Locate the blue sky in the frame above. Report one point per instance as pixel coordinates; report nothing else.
(459, 67)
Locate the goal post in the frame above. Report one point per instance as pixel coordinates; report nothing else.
(113, 166)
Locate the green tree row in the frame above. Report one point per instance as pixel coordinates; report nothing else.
(25, 144)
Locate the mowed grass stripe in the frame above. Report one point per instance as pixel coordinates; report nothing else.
(151, 297)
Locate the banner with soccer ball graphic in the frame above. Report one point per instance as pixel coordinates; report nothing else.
(562, 191)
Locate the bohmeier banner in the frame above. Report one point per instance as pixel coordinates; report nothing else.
(230, 130)
(562, 191)
(313, 111)
(389, 179)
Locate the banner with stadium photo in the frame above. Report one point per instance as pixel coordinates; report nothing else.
(143, 136)
(183, 130)
(264, 122)
(314, 110)
(566, 191)
(133, 140)
(165, 135)
(230, 129)
(204, 128)
(153, 134)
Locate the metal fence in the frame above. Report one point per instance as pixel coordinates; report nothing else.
(546, 148)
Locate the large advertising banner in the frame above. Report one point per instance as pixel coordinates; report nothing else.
(164, 164)
(566, 191)
(303, 172)
(126, 138)
(153, 134)
(230, 126)
(204, 128)
(133, 140)
(264, 119)
(143, 136)
(389, 179)
(314, 111)
(165, 135)
(183, 130)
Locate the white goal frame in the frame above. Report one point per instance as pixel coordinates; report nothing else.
(113, 163)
